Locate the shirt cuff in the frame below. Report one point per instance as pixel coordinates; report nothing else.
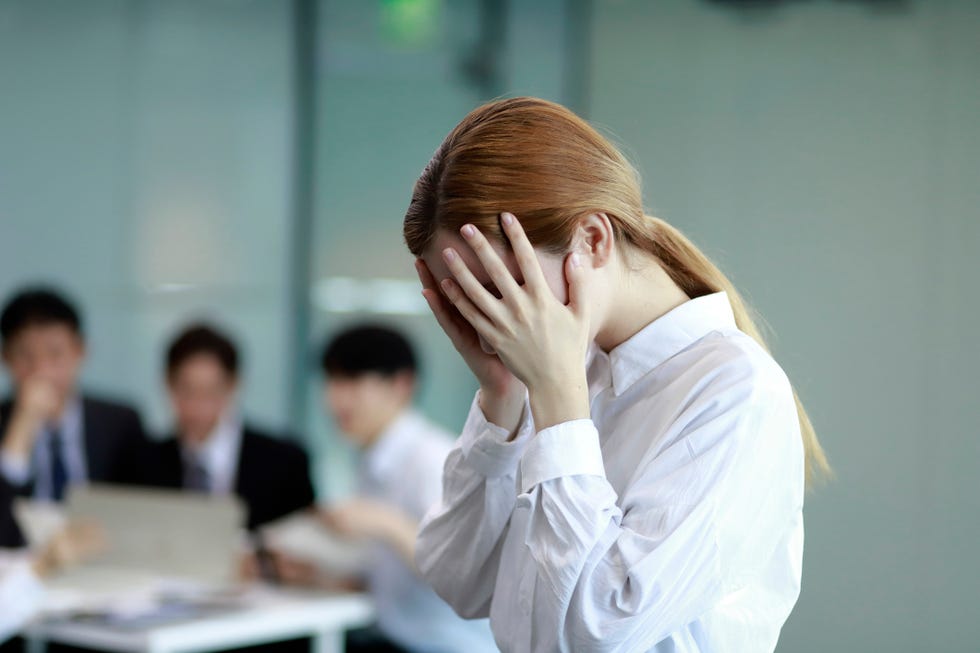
(16, 469)
(566, 449)
(485, 446)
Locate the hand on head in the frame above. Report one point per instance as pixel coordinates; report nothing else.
(539, 339)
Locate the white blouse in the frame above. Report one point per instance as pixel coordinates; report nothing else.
(669, 521)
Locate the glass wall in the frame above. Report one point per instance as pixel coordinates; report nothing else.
(391, 80)
(145, 155)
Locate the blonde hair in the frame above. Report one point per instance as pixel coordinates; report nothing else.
(541, 162)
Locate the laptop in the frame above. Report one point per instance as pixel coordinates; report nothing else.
(156, 539)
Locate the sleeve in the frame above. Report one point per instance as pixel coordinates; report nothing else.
(11, 536)
(458, 548)
(21, 593)
(134, 447)
(16, 470)
(302, 493)
(288, 468)
(624, 572)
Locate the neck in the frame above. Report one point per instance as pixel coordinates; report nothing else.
(372, 439)
(59, 412)
(641, 295)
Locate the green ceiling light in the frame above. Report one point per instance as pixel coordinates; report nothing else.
(410, 23)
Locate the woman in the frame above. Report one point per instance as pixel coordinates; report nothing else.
(647, 500)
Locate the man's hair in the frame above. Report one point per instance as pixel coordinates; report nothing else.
(367, 349)
(37, 306)
(200, 339)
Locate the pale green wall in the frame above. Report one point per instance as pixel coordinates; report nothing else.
(828, 156)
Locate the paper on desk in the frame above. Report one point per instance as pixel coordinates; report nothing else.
(39, 520)
(302, 536)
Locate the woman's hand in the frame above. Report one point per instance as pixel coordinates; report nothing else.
(540, 340)
(501, 394)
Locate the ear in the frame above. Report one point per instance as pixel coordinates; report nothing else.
(82, 347)
(594, 239)
(405, 382)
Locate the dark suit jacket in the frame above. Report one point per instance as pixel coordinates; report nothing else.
(272, 478)
(114, 440)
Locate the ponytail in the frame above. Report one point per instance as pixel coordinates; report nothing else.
(543, 163)
(698, 276)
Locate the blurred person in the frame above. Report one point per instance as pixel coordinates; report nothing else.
(52, 435)
(22, 575)
(370, 378)
(631, 475)
(213, 450)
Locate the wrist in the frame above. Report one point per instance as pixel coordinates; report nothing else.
(557, 403)
(19, 438)
(503, 406)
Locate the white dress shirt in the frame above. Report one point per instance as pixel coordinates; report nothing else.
(218, 454)
(669, 521)
(20, 471)
(21, 593)
(403, 469)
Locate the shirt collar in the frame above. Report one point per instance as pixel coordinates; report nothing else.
(387, 450)
(69, 423)
(667, 336)
(220, 449)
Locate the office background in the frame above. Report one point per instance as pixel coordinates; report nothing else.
(249, 161)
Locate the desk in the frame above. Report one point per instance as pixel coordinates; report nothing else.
(266, 615)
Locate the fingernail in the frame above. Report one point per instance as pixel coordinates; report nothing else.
(447, 286)
(468, 230)
(507, 218)
(449, 254)
(576, 262)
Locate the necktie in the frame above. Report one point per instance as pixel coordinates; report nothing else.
(59, 471)
(196, 477)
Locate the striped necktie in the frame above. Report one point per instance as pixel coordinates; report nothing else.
(197, 477)
(59, 471)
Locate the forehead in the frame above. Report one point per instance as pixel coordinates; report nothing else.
(199, 367)
(44, 334)
(445, 238)
(366, 380)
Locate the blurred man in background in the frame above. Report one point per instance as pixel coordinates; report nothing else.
(370, 383)
(212, 450)
(53, 436)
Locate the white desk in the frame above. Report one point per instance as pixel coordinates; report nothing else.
(267, 615)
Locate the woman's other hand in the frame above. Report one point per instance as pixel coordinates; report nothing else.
(541, 340)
